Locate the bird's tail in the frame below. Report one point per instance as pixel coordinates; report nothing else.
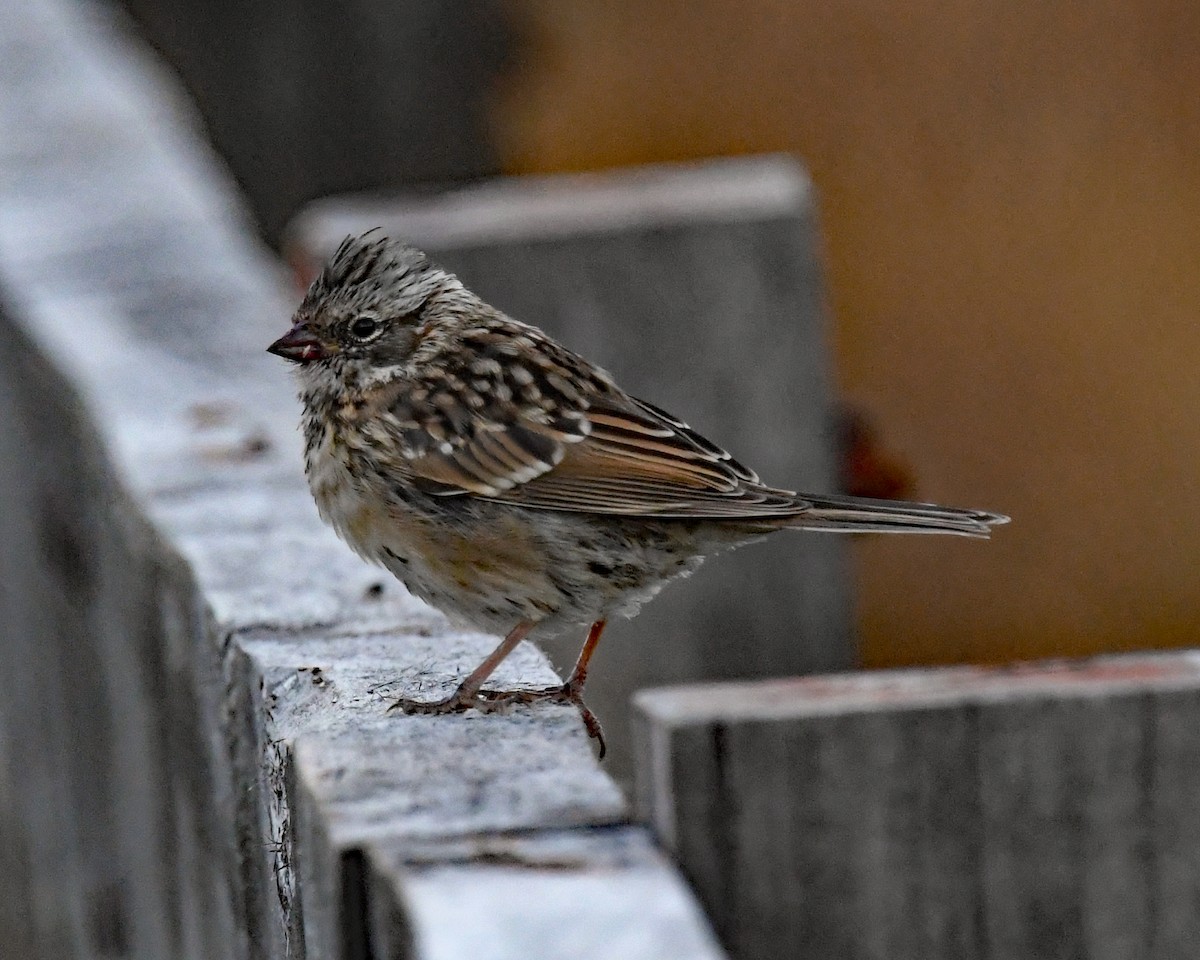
(861, 515)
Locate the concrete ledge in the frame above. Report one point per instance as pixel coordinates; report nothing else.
(194, 758)
(562, 206)
(591, 883)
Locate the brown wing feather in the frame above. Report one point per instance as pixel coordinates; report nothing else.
(480, 416)
(635, 462)
(493, 459)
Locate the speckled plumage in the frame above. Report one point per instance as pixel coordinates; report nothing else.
(506, 480)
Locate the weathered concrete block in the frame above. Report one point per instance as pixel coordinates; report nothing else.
(605, 893)
(698, 287)
(1043, 811)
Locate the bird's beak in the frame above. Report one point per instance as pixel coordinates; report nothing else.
(299, 345)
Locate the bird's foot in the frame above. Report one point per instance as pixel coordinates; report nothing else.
(469, 696)
(564, 693)
(499, 701)
(457, 702)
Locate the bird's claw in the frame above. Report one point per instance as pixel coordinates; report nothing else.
(455, 703)
(565, 693)
(498, 701)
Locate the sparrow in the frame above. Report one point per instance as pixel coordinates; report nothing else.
(508, 481)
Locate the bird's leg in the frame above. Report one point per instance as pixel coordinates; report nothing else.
(470, 696)
(570, 692)
(467, 695)
(573, 688)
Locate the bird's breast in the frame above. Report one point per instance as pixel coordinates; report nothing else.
(339, 494)
(470, 562)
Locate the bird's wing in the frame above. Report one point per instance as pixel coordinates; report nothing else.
(487, 412)
(554, 433)
(639, 461)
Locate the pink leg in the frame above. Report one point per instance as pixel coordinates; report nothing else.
(570, 692)
(579, 675)
(470, 687)
(470, 694)
(466, 695)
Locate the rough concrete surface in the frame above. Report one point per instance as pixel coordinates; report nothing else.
(195, 759)
(474, 892)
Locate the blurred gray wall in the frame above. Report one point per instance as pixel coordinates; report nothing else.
(304, 98)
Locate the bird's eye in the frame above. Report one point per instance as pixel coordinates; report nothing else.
(364, 328)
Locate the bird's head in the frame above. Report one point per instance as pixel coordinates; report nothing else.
(363, 315)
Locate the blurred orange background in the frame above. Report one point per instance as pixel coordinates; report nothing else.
(1010, 203)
